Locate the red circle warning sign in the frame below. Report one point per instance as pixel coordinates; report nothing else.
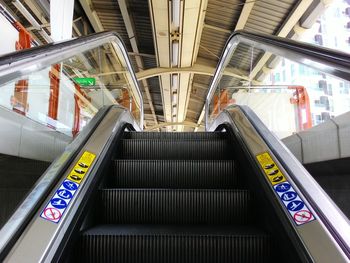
(52, 214)
(302, 216)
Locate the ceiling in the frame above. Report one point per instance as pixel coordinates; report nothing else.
(175, 45)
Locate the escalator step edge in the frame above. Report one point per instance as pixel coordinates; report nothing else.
(173, 174)
(175, 206)
(122, 245)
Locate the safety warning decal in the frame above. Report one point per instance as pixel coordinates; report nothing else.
(57, 205)
(78, 172)
(296, 207)
(59, 202)
(270, 168)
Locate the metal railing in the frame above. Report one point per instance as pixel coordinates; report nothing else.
(25, 62)
(323, 59)
(326, 60)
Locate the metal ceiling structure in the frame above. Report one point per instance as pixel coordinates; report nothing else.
(175, 44)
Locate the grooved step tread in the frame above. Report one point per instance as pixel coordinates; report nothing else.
(140, 243)
(175, 206)
(175, 135)
(172, 149)
(173, 174)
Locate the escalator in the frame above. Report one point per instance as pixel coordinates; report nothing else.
(174, 197)
(117, 194)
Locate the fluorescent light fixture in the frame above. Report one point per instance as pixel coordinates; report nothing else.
(26, 14)
(176, 14)
(174, 98)
(174, 111)
(175, 53)
(175, 82)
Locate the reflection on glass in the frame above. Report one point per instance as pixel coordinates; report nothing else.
(288, 97)
(66, 95)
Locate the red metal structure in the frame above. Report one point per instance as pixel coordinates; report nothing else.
(301, 99)
(54, 76)
(20, 97)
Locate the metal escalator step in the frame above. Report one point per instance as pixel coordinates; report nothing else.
(172, 149)
(175, 135)
(142, 243)
(173, 174)
(175, 206)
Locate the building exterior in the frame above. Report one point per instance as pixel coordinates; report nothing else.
(329, 96)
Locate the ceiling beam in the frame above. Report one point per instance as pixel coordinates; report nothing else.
(219, 29)
(243, 18)
(92, 15)
(168, 124)
(133, 41)
(288, 25)
(201, 69)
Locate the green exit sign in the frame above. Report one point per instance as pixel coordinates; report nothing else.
(85, 81)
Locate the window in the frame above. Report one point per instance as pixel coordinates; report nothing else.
(322, 84)
(277, 77)
(292, 70)
(318, 39)
(283, 75)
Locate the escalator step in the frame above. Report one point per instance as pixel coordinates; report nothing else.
(172, 149)
(133, 243)
(175, 206)
(173, 174)
(175, 135)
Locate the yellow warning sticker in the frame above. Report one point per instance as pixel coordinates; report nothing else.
(270, 168)
(81, 167)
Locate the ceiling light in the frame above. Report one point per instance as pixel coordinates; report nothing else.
(174, 98)
(176, 14)
(175, 53)
(174, 82)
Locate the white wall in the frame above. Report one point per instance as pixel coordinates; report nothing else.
(9, 36)
(274, 109)
(327, 141)
(21, 136)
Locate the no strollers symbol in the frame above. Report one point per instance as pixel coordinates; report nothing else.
(52, 214)
(302, 216)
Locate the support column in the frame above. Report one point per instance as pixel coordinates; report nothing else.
(76, 124)
(54, 91)
(20, 97)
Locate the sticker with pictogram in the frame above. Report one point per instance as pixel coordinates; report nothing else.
(80, 169)
(52, 214)
(303, 216)
(271, 170)
(59, 202)
(295, 206)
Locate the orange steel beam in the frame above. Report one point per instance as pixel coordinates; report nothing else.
(76, 124)
(20, 97)
(54, 91)
(223, 101)
(301, 99)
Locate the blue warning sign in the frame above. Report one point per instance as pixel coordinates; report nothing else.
(289, 196)
(295, 205)
(65, 194)
(58, 203)
(70, 185)
(283, 187)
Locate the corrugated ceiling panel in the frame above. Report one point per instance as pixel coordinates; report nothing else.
(223, 13)
(268, 16)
